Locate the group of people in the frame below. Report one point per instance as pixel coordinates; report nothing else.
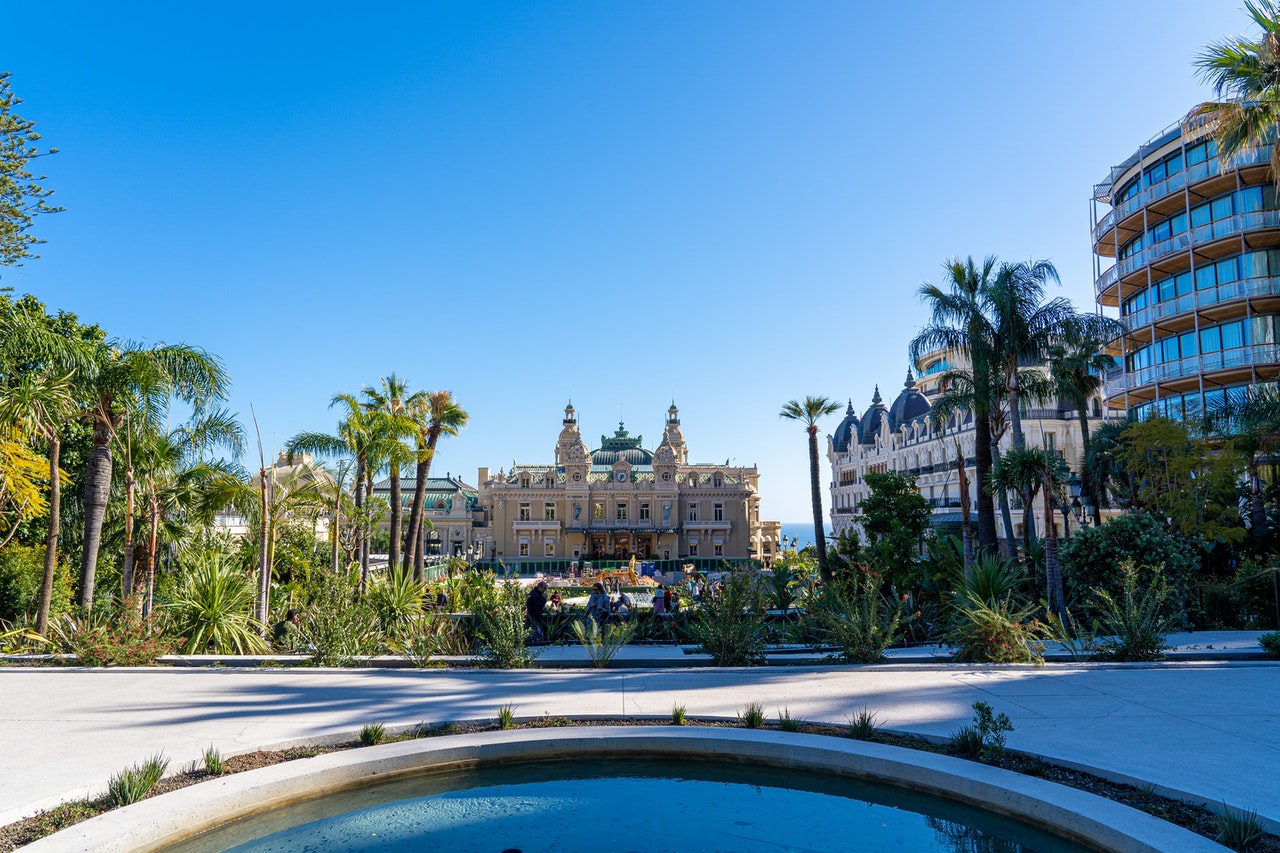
(601, 605)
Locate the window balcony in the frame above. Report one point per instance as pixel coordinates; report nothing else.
(1119, 381)
(1201, 235)
(1264, 286)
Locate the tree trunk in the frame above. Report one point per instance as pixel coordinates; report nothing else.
(336, 529)
(362, 528)
(424, 472)
(130, 489)
(393, 554)
(1052, 571)
(413, 557)
(1015, 412)
(982, 465)
(966, 526)
(264, 553)
(1086, 476)
(51, 542)
(150, 564)
(97, 489)
(819, 538)
(1009, 549)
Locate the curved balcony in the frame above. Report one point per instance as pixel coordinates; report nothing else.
(1199, 236)
(1263, 286)
(1119, 381)
(1189, 176)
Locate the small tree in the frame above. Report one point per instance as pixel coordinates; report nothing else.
(894, 518)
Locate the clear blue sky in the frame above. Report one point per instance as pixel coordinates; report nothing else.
(729, 203)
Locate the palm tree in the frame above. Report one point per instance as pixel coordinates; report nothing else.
(1245, 75)
(1028, 470)
(808, 413)
(359, 436)
(389, 400)
(38, 404)
(142, 382)
(957, 323)
(173, 480)
(436, 413)
(1077, 370)
(1023, 327)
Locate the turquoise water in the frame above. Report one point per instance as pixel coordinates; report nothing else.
(702, 808)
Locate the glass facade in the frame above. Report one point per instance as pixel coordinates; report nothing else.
(1221, 207)
(1207, 275)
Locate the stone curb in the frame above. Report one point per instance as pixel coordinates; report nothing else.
(156, 823)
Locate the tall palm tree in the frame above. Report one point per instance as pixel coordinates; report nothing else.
(389, 400)
(359, 436)
(1023, 326)
(172, 478)
(1077, 370)
(140, 381)
(436, 413)
(809, 412)
(38, 404)
(1028, 470)
(1245, 75)
(957, 323)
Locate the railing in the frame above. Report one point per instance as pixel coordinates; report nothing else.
(1262, 286)
(1119, 381)
(1198, 236)
(1190, 175)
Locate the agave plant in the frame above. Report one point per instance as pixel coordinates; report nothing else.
(213, 609)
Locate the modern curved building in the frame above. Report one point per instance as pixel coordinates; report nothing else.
(1187, 249)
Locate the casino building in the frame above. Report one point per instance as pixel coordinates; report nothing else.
(620, 500)
(902, 437)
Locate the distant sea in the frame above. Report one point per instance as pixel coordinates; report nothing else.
(802, 531)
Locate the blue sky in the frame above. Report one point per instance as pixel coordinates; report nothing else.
(732, 204)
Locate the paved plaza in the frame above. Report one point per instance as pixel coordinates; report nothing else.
(1208, 730)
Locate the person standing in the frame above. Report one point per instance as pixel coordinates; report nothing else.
(598, 604)
(659, 601)
(534, 607)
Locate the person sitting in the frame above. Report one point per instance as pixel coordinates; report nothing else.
(534, 606)
(623, 605)
(598, 604)
(554, 601)
(285, 633)
(659, 601)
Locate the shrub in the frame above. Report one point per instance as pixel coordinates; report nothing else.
(129, 786)
(967, 742)
(786, 722)
(1089, 557)
(984, 737)
(1239, 830)
(1133, 624)
(213, 609)
(852, 615)
(122, 638)
(397, 599)
(372, 734)
(503, 632)
(1271, 644)
(999, 632)
(862, 726)
(214, 764)
(427, 637)
(602, 645)
(752, 716)
(21, 573)
(677, 715)
(335, 626)
(730, 627)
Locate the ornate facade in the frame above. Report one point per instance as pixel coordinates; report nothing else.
(902, 437)
(622, 500)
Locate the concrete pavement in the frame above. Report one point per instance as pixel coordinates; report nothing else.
(1201, 730)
